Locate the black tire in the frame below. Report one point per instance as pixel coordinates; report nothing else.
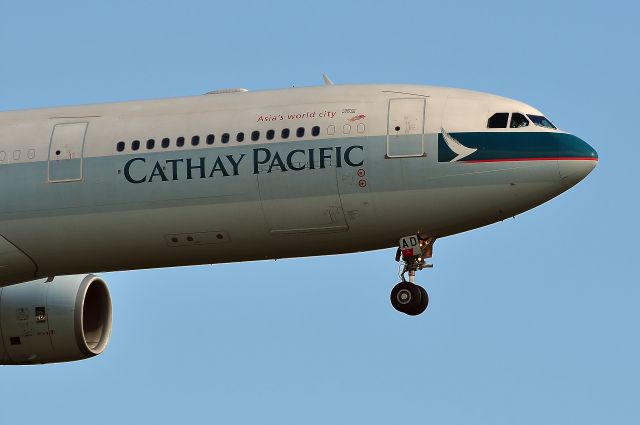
(422, 306)
(406, 297)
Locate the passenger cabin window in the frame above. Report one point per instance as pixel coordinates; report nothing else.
(518, 120)
(300, 132)
(210, 139)
(255, 135)
(180, 142)
(498, 120)
(151, 143)
(541, 121)
(225, 138)
(271, 134)
(315, 131)
(285, 133)
(240, 137)
(165, 143)
(120, 146)
(195, 140)
(135, 145)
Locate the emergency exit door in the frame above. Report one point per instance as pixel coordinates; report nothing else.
(65, 152)
(405, 128)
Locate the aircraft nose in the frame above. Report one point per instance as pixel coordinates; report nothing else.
(579, 161)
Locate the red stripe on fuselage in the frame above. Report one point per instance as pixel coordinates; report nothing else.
(532, 159)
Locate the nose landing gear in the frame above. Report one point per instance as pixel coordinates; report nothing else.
(406, 296)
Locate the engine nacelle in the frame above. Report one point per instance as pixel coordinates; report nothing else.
(63, 320)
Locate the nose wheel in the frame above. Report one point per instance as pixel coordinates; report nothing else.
(409, 298)
(406, 296)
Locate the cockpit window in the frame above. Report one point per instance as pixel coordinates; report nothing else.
(498, 120)
(541, 121)
(518, 120)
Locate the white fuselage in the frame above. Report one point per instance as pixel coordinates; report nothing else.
(246, 176)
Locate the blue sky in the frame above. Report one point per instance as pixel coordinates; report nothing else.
(531, 321)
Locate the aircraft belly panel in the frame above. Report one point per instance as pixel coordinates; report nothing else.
(15, 265)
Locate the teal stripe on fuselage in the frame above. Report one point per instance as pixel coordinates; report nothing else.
(159, 178)
(515, 145)
(152, 182)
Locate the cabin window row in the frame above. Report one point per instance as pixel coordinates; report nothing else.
(255, 136)
(17, 155)
(210, 139)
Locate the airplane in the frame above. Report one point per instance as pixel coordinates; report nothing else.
(235, 175)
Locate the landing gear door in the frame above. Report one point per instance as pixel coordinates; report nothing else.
(65, 152)
(405, 128)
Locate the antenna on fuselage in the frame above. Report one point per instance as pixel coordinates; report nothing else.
(327, 80)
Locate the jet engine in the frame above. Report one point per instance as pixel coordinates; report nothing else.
(50, 321)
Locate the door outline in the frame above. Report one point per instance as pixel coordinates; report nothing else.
(390, 134)
(79, 144)
(333, 211)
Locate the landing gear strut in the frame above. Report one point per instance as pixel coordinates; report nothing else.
(406, 296)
